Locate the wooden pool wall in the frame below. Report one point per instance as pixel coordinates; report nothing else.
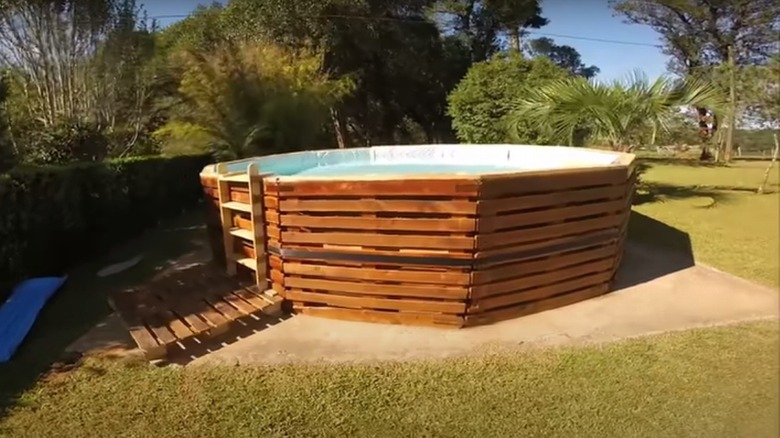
(439, 251)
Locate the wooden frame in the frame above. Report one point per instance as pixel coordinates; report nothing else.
(442, 250)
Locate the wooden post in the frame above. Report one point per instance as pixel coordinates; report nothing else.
(732, 107)
(769, 169)
(258, 226)
(223, 189)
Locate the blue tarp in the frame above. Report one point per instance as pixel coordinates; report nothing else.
(18, 314)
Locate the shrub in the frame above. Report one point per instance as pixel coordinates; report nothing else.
(66, 142)
(53, 216)
(482, 100)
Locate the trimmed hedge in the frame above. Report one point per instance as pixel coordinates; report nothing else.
(54, 216)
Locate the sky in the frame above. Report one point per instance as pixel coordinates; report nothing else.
(580, 19)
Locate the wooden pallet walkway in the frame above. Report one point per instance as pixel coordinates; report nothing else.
(195, 304)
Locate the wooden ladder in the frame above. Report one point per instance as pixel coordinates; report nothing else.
(230, 229)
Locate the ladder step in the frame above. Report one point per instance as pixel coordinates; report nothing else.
(239, 177)
(238, 206)
(242, 233)
(249, 263)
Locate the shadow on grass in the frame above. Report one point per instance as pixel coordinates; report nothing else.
(689, 162)
(649, 192)
(654, 249)
(81, 303)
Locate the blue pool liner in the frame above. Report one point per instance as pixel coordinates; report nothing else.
(20, 310)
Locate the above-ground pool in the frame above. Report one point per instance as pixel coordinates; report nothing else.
(444, 235)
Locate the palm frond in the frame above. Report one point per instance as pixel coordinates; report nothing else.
(616, 112)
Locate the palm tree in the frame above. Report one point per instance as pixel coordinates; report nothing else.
(619, 113)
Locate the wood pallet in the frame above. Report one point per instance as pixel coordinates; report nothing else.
(192, 305)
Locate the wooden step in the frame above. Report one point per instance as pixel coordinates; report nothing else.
(242, 234)
(238, 206)
(238, 177)
(249, 263)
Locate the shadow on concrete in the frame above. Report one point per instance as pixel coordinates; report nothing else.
(653, 249)
(243, 328)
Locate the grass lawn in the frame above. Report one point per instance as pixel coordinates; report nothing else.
(730, 227)
(718, 382)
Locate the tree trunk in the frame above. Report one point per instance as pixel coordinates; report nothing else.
(514, 41)
(339, 127)
(769, 169)
(732, 108)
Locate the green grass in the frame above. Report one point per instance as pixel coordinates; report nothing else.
(718, 382)
(730, 227)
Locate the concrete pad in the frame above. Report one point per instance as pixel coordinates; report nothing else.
(656, 292)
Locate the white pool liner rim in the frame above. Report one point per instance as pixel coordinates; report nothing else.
(515, 158)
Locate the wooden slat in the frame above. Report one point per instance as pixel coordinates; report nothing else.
(272, 216)
(237, 178)
(357, 250)
(242, 234)
(137, 329)
(493, 295)
(190, 316)
(568, 241)
(361, 302)
(384, 317)
(250, 263)
(455, 224)
(240, 197)
(217, 321)
(161, 331)
(238, 206)
(380, 240)
(454, 207)
(256, 301)
(275, 262)
(229, 313)
(495, 206)
(536, 306)
(372, 274)
(462, 187)
(501, 186)
(405, 290)
(277, 275)
(526, 267)
(272, 231)
(243, 306)
(508, 238)
(498, 223)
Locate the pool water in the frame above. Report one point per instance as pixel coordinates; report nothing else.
(367, 169)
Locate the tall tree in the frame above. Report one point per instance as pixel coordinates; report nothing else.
(79, 63)
(563, 56)
(481, 23)
(513, 16)
(470, 23)
(698, 33)
(391, 50)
